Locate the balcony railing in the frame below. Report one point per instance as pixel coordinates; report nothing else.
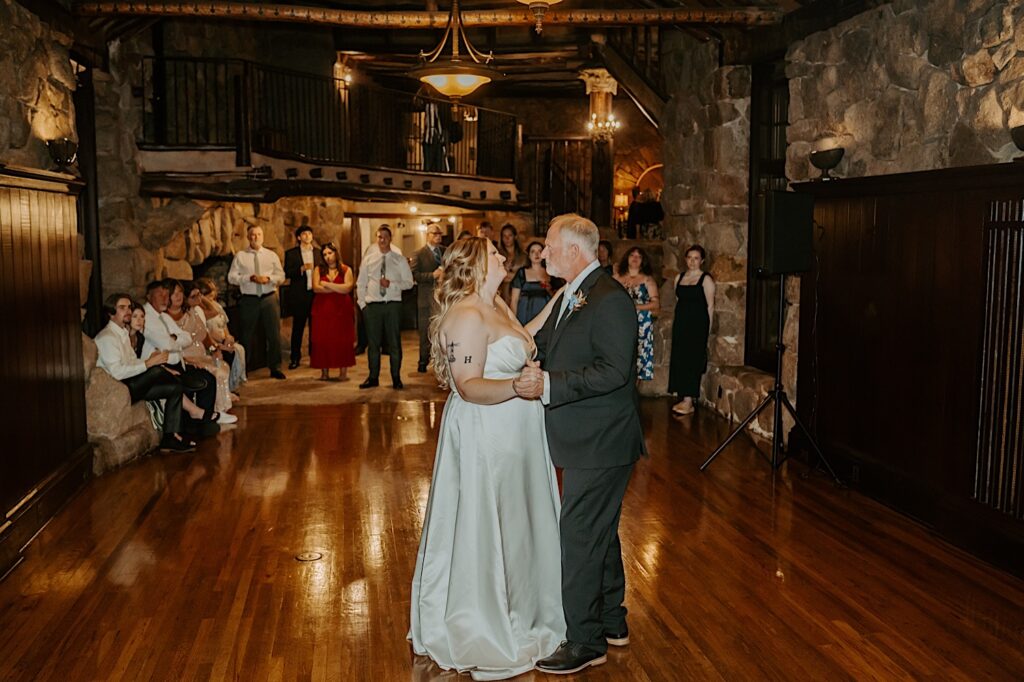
(191, 103)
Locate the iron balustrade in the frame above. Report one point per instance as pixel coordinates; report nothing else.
(192, 103)
(557, 173)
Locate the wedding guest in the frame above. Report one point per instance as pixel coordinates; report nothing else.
(257, 272)
(146, 379)
(637, 276)
(383, 275)
(532, 286)
(605, 254)
(299, 262)
(426, 270)
(333, 316)
(137, 338)
(217, 326)
(515, 258)
(486, 230)
(163, 333)
(695, 308)
(202, 352)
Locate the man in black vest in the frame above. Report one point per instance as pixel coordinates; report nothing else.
(299, 262)
(426, 270)
(588, 351)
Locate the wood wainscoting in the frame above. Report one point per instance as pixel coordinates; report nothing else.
(911, 347)
(45, 456)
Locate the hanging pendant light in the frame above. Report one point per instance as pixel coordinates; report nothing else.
(455, 77)
(539, 7)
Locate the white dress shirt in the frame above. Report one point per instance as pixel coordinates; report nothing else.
(570, 290)
(248, 263)
(163, 333)
(116, 354)
(307, 259)
(396, 269)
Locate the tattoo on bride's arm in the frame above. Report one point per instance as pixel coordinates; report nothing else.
(468, 360)
(451, 351)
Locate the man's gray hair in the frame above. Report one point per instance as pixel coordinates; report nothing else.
(580, 231)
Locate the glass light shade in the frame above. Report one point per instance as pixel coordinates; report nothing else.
(454, 84)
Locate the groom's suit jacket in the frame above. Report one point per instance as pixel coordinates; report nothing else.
(593, 419)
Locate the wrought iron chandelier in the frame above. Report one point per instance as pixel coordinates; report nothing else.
(455, 76)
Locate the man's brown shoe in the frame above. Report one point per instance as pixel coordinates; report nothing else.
(570, 658)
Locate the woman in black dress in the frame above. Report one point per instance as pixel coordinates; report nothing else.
(695, 305)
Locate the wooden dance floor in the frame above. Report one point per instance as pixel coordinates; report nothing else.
(183, 567)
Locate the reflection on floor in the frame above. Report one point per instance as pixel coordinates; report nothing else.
(184, 567)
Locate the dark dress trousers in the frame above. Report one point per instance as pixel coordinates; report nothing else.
(594, 434)
(297, 300)
(423, 265)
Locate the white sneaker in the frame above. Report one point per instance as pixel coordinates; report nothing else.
(226, 418)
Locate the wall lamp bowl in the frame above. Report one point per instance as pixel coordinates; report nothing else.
(1017, 135)
(63, 151)
(827, 159)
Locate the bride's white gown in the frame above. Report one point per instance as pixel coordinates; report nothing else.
(486, 593)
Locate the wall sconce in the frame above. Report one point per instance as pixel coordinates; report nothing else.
(63, 151)
(1017, 135)
(827, 159)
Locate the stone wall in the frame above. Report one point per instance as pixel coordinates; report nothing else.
(912, 85)
(36, 85)
(706, 148)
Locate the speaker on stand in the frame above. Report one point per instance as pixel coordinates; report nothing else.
(784, 247)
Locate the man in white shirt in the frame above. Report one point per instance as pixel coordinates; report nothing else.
(146, 379)
(164, 334)
(257, 272)
(383, 275)
(297, 297)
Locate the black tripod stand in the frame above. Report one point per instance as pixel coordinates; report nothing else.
(778, 394)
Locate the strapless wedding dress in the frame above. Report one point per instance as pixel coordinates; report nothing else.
(486, 593)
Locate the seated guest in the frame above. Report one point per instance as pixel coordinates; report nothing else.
(137, 338)
(146, 379)
(163, 333)
(202, 352)
(217, 326)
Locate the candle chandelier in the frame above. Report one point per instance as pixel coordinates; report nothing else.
(461, 73)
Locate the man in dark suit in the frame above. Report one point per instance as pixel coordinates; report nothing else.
(299, 262)
(588, 351)
(426, 270)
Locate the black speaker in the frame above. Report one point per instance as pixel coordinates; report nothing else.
(785, 241)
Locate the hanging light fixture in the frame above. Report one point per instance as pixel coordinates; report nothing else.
(539, 7)
(455, 77)
(601, 88)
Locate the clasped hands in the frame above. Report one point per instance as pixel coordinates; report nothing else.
(260, 279)
(530, 382)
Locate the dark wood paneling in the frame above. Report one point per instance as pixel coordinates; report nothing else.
(890, 342)
(43, 417)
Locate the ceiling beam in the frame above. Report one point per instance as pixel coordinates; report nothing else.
(770, 42)
(321, 16)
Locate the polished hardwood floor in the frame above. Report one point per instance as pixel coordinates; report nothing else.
(184, 567)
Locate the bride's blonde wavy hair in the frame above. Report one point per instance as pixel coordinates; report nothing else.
(464, 273)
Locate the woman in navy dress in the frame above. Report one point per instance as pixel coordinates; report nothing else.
(532, 286)
(695, 306)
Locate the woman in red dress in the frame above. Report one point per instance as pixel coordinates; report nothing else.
(333, 321)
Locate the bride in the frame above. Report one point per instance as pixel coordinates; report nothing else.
(486, 596)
